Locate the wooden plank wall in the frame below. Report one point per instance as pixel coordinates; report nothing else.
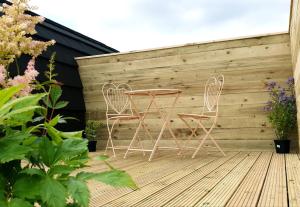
(247, 65)
(295, 48)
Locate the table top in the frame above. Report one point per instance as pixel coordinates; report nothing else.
(154, 92)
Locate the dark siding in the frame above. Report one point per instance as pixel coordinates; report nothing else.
(69, 44)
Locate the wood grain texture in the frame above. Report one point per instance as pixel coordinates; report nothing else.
(295, 50)
(241, 179)
(247, 64)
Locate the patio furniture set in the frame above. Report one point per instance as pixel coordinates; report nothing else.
(121, 105)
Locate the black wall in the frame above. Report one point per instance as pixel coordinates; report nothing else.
(69, 44)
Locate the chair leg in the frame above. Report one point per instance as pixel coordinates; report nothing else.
(133, 139)
(192, 130)
(205, 137)
(199, 146)
(110, 130)
(219, 148)
(141, 145)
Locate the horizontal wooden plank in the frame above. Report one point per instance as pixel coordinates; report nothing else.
(228, 145)
(189, 48)
(193, 58)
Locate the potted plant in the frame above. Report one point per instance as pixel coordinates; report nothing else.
(282, 113)
(91, 133)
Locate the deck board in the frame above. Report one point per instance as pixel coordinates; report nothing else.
(249, 190)
(224, 190)
(193, 194)
(293, 179)
(238, 179)
(139, 195)
(274, 192)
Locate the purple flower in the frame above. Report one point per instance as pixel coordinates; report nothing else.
(290, 81)
(268, 106)
(271, 85)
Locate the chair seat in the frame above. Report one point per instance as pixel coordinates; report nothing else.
(122, 117)
(195, 116)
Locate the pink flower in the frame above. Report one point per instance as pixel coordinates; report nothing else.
(2, 75)
(31, 73)
(18, 80)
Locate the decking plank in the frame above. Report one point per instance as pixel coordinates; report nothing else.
(249, 190)
(176, 189)
(193, 193)
(203, 165)
(274, 192)
(131, 167)
(270, 180)
(227, 186)
(155, 170)
(293, 179)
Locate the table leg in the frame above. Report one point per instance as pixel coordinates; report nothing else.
(166, 120)
(139, 126)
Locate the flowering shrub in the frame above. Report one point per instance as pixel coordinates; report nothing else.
(15, 40)
(16, 28)
(37, 161)
(281, 108)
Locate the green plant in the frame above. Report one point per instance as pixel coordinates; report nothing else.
(282, 110)
(91, 129)
(39, 164)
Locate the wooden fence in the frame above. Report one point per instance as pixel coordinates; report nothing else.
(295, 48)
(247, 64)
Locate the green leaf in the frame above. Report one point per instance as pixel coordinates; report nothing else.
(16, 202)
(102, 157)
(47, 102)
(61, 104)
(79, 191)
(33, 171)
(55, 120)
(27, 187)
(22, 115)
(116, 178)
(12, 151)
(3, 203)
(49, 152)
(60, 169)
(30, 140)
(53, 193)
(55, 94)
(85, 176)
(8, 93)
(71, 135)
(78, 161)
(20, 110)
(54, 134)
(73, 148)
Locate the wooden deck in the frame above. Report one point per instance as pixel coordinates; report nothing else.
(238, 179)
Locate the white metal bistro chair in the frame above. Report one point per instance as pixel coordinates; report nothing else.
(118, 108)
(213, 89)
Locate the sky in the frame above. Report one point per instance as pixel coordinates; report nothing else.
(128, 25)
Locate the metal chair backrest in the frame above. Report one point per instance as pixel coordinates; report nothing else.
(115, 99)
(213, 89)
